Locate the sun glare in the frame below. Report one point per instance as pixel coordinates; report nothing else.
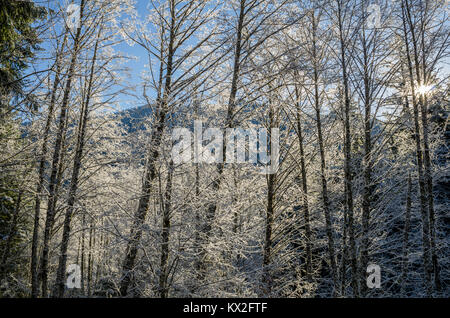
(424, 89)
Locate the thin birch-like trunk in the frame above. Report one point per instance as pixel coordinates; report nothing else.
(41, 174)
(75, 178)
(419, 155)
(165, 235)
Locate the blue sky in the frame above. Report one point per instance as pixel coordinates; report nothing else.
(138, 57)
(140, 61)
(136, 66)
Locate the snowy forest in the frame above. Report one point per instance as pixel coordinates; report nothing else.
(94, 204)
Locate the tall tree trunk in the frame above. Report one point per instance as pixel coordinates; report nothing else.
(304, 183)
(368, 188)
(348, 159)
(212, 207)
(423, 103)
(267, 277)
(41, 175)
(198, 223)
(267, 253)
(429, 184)
(83, 224)
(165, 235)
(419, 155)
(56, 158)
(90, 256)
(406, 237)
(150, 173)
(344, 256)
(236, 216)
(102, 256)
(60, 278)
(326, 203)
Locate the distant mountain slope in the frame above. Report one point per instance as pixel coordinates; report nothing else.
(135, 119)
